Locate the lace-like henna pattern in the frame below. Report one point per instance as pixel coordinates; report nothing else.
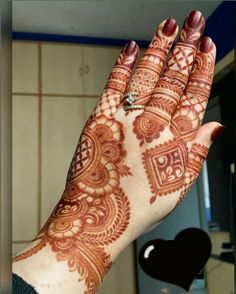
(165, 166)
(170, 86)
(94, 211)
(189, 113)
(148, 70)
(116, 85)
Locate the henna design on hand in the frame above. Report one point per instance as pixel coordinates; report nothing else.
(94, 211)
(171, 84)
(117, 81)
(190, 111)
(165, 166)
(196, 157)
(148, 70)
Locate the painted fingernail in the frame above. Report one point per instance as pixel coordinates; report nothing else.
(194, 18)
(130, 48)
(206, 44)
(217, 132)
(169, 27)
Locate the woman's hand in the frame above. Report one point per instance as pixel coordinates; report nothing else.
(140, 151)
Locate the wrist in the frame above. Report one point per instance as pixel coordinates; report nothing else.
(81, 239)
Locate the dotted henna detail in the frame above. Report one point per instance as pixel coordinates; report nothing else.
(165, 166)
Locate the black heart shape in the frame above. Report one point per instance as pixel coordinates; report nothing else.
(176, 261)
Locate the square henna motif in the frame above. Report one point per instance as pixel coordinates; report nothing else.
(165, 166)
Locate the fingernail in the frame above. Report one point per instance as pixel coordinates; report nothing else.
(130, 48)
(206, 44)
(217, 132)
(169, 27)
(194, 18)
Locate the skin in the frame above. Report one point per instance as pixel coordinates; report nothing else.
(131, 168)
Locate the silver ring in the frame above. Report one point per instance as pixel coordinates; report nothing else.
(129, 107)
(130, 102)
(129, 98)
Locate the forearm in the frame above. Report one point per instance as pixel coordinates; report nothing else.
(42, 271)
(75, 252)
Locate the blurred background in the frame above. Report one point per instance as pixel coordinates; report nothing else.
(62, 54)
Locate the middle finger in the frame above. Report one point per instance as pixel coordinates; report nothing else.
(172, 83)
(149, 68)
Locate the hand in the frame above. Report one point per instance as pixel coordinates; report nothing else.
(133, 165)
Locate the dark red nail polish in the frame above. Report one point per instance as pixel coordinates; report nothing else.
(217, 132)
(169, 27)
(130, 48)
(194, 18)
(206, 44)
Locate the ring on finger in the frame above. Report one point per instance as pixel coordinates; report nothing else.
(130, 100)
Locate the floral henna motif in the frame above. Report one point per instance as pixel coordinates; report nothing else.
(165, 166)
(94, 211)
(147, 127)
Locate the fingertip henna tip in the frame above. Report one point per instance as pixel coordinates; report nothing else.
(218, 131)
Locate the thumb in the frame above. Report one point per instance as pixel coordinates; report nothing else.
(208, 133)
(198, 153)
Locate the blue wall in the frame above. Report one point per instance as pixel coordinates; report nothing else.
(221, 27)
